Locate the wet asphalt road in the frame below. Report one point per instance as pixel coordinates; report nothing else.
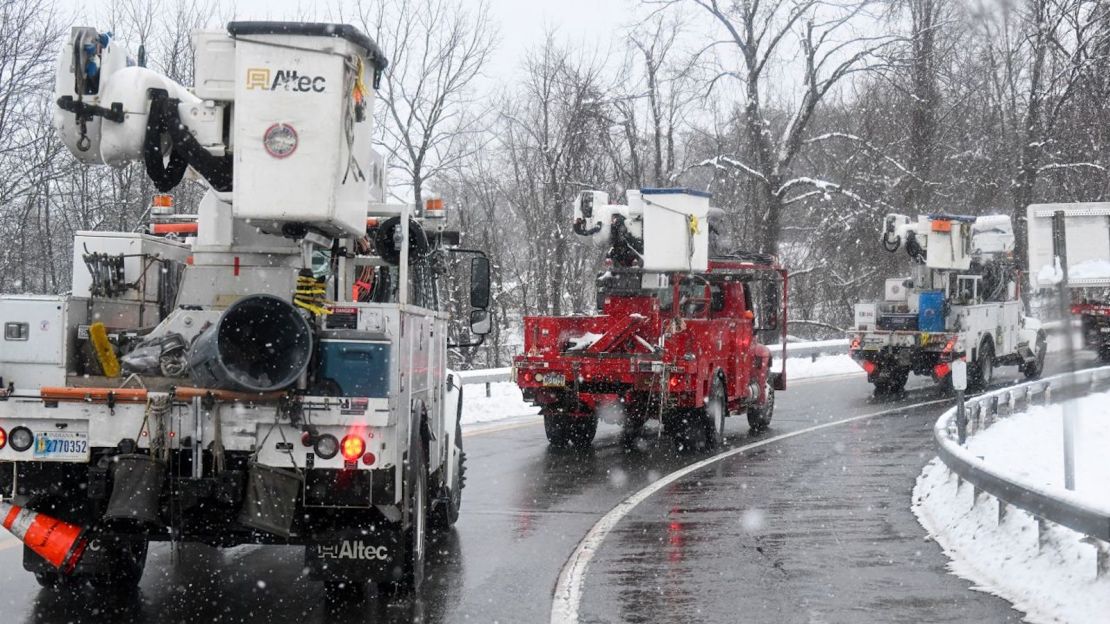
(815, 528)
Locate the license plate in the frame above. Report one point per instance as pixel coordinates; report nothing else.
(554, 380)
(61, 446)
(873, 343)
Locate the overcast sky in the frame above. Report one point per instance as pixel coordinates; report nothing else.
(520, 23)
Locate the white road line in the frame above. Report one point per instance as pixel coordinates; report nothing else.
(568, 589)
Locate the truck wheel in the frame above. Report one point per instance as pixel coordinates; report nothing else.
(690, 431)
(564, 430)
(715, 411)
(409, 572)
(759, 416)
(982, 373)
(894, 384)
(446, 514)
(630, 429)
(127, 557)
(1033, 370)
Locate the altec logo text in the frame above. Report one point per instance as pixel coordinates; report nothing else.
(354, 550)
(285, 79)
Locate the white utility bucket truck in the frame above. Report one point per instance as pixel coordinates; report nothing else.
(269, 370)
(961, 300)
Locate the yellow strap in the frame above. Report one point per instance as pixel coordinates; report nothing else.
(311, 306)
(109, 364)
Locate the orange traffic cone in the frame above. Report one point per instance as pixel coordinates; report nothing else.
(60, 543)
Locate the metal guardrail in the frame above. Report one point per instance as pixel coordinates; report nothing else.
(813, 349)
(793, 349)
(1045, 505)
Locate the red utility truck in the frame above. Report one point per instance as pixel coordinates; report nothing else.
(681, 346)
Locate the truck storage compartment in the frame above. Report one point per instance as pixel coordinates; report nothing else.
(353, 364)
(38, 341)
(894, 321)
(930, 311)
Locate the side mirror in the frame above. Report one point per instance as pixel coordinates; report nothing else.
(771, 309)
(479, 286)
(479, 322)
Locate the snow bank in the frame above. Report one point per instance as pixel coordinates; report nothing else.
(824, 366)
(1053, 584)
(1030, 447)
(505, 401)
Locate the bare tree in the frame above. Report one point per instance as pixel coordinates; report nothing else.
(436, 50)
(826, 52)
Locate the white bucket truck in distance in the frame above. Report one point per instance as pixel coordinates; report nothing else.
(279, 375)
(961, 300)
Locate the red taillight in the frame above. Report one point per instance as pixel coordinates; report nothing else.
(674, 382)
(868, 366)
(941, 370)
(3, 438)
(369, 459)
(352, 447)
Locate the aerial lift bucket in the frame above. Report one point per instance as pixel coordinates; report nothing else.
(60, 543)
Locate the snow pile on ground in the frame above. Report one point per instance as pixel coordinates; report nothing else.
(823, 366)
(1030, 447)
(1053, 584)
(505, 401)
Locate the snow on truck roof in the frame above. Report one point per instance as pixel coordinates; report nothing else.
(675, 191)
(313, 29)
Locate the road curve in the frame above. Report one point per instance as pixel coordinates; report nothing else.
(811, 528)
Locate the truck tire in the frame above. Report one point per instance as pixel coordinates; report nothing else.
(567, 431)
(1033, 370)
(894, 383)
(981, 373)
(689, 431)
(715, 412)
(446, 514)
(759, 416)
(631, 427)
(122, 558)
(409, 573)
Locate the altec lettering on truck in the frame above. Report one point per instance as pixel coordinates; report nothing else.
(287, 79)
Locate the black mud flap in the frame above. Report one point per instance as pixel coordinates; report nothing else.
(96, 560)
(356, 556)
